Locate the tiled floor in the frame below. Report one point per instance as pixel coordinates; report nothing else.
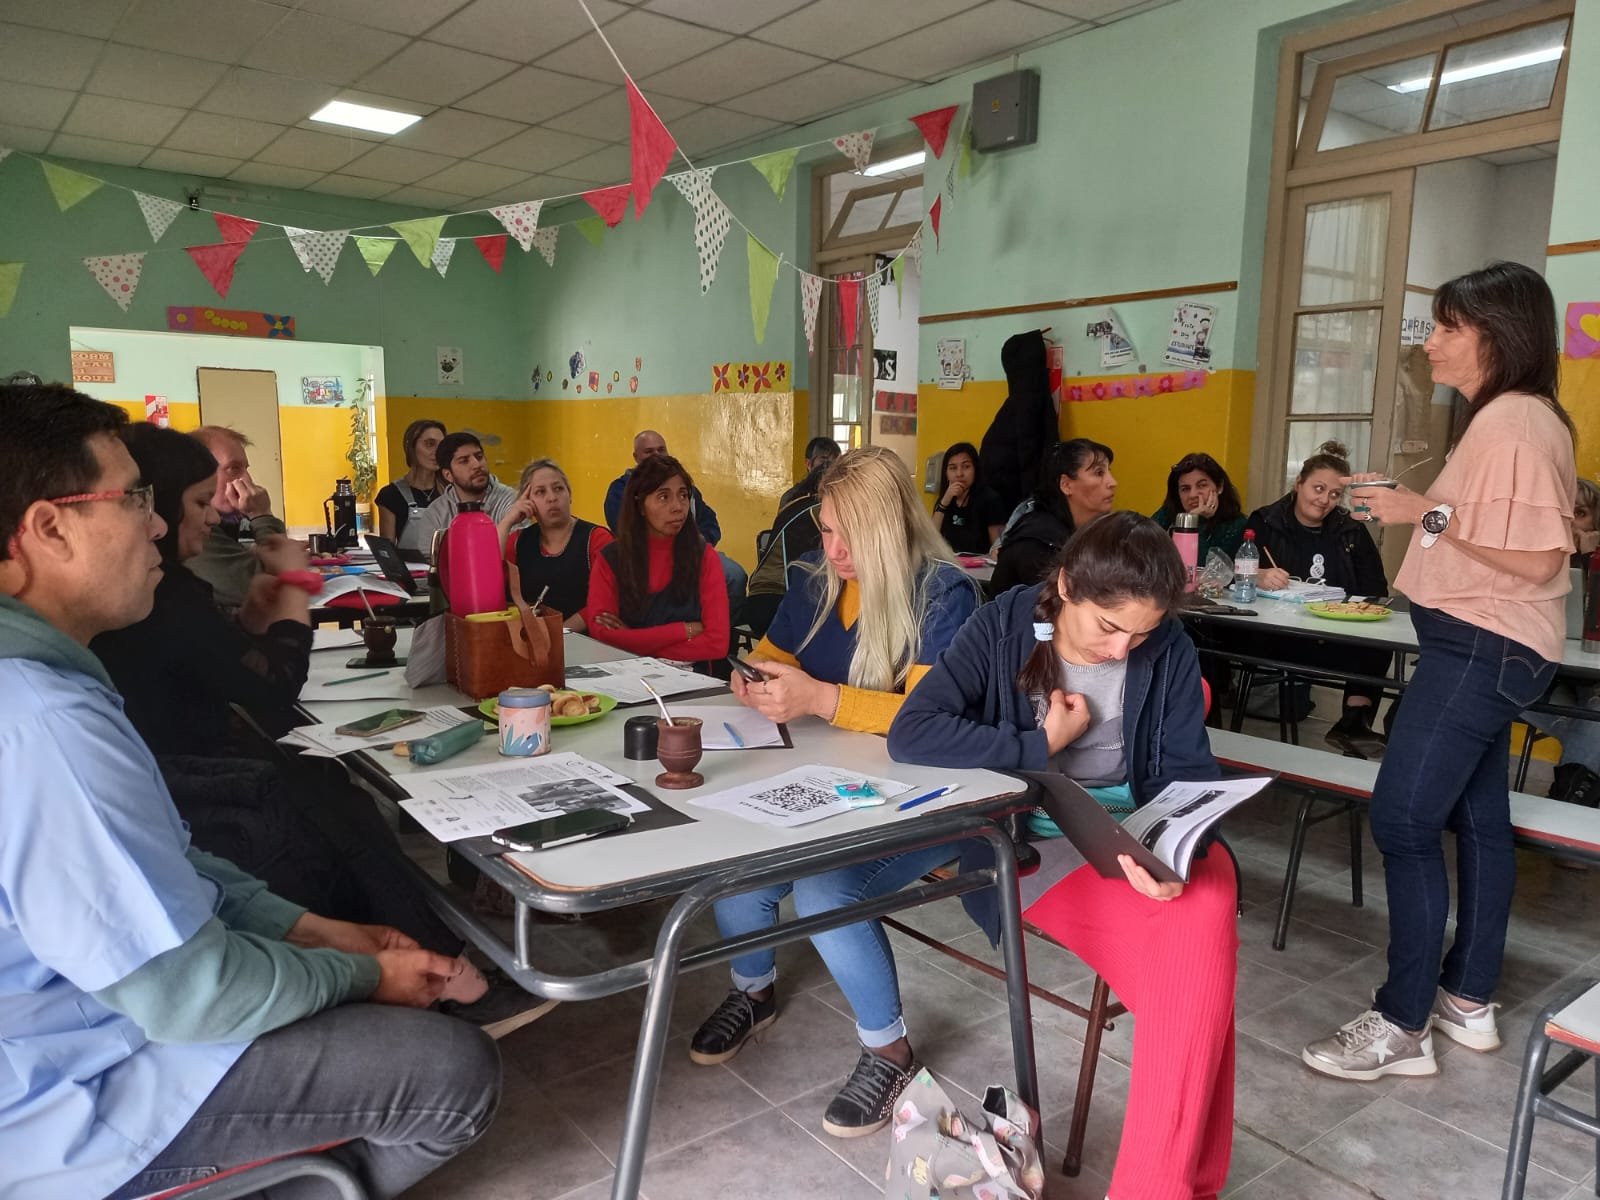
(752, 1128)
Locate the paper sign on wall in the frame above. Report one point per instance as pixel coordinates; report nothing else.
(1583, 330)
(155, 411)
(952, 363)
(894, 402)
(451, 368)
(1415, 330)
(322, 389)
(1189, 343)
(93, 366)
(1116, 350)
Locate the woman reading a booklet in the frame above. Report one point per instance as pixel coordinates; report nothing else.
(1087, 674)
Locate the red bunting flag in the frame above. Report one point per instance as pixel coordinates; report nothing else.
(652, 148)
(235, 229)
(493, 248)
(933, 215)
(216, 263)
(849, 306)
(935, 126)
(611, 203)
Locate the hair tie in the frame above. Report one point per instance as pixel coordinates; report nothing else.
(1043, 631)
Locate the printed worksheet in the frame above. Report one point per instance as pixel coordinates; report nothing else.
(625, 678)
(797, 797)
(474, 801)
(323, 741)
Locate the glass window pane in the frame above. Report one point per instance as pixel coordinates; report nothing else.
(1377, 103)
(1306, 438)
(1335, 361)
(1344, 250)
(1512, 73)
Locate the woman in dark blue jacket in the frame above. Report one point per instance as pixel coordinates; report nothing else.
(1089, 675)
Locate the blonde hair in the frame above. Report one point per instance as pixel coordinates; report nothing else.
(541, 464)
(896, 550)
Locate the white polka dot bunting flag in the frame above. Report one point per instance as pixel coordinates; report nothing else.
(857, 147)
(317, 249)
(712, 220)
(521, 220)
(118, 274)
(874, 285)
(159, 213)
(545, 239)
(810, 294)
(443, 250)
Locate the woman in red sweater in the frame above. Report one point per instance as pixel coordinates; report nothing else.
(658, 589)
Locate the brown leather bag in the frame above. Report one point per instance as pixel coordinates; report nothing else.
(483, 658)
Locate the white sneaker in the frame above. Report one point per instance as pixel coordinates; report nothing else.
(1371, 1047)
(1474, 1028)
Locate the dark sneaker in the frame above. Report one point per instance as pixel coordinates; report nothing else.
(504, 1008)
(1353, 734)
(1371, 1047)
(738, 1018)
(866, 1101)
(1576, 784)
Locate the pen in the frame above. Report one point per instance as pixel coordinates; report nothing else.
(354, 678)
(734, 734)
(926, 796)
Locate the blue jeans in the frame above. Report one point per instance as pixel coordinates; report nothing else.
(1449, 755)
(859, 956)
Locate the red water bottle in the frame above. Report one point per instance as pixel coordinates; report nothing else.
(469, 563)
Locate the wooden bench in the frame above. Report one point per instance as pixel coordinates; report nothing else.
(1539, 823)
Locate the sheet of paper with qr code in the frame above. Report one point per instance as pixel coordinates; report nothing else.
(796, 797)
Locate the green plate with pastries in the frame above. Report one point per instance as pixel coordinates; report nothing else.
(1348, 610)
(598, 706)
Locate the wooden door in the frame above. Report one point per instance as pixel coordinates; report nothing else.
(248, 402)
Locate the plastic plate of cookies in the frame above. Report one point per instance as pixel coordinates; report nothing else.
(566, 707)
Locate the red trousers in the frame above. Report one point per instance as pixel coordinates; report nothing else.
(1174, 965)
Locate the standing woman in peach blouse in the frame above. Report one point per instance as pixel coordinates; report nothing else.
(1486, 576)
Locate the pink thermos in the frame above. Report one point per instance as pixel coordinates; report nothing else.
(469, 563)
(1186, 537)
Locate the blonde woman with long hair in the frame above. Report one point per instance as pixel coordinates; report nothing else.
(860, 625)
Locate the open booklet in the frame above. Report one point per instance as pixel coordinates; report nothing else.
(1162, 835)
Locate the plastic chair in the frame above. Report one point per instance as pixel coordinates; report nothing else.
(1573, 1022)
(252, 1178)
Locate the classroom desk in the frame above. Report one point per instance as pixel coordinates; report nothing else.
(713, 856)
(413, 609)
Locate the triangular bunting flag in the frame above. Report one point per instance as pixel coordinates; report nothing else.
(422, 235)
(611, 203)
(375, 251)
(493, 248)
(935, 126)
(592, 228)
(545, 239)
(235, 229)
(950, 183)
(763, 278)
(849, 297)
(650, 146)
(68, 186)
(317, 249)
(443, 251)
(874, 285)
(933, 215)
(857, 147)
(159, 213)
(898, 269)
(10, 276)
(712, 220)
(216, 263)
(810, 294)
(776, 168)
(520, 219)
(118, 274)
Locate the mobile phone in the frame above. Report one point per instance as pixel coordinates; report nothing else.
(750, 674)
(558, 831)
(380, 722)
(1386, 483)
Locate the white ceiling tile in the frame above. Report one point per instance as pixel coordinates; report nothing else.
(397, 165)
(401, 16)
(220, 30)
(719, 14)
(261, 96)
(208, 133)
(611, 165)
(36, 107)
(835, 28)
(1102, 11)
(45, 57)
(272, 176)
(521, 29)
(426, 197)
(712, 128)
(346, 185)
(532, 94)
(92, 18)
(312, 47)
(643, 41)
(312, 151)
(537, 187)
(30, 141)
(992, 30)
(160, 78)
(609, 120)
(817, 93)
(452, 131)
(474, 178)
(539, 150)
(437, 74)
(729, 70)
(89, 149)
(124, 121)
(181, 162)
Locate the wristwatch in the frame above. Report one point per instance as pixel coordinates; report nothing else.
(1434, 522)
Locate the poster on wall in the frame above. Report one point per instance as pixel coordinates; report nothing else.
(894, 402)
(1189, 343)
(1116, 350)
(885, 364)
(155, 411)
(451, 368)
(93, 366)
(1583, 330)
(897, 425)
(952, 363)
(229, 322)
(1415, 330)
(322, 389)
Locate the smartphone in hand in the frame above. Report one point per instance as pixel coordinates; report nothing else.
(749, 673)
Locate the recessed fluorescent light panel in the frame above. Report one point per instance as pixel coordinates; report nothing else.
(1493, 67)
(363, 116)
(890, 165)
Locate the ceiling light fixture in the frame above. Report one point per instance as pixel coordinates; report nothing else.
(363, 116)
(1493, 67)
(889, 165)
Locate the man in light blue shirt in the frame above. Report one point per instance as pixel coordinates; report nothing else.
(149, 993)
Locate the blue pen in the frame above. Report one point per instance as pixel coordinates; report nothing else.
(734, 734)
(926, 796)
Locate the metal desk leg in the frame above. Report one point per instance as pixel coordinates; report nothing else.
(1017, 999)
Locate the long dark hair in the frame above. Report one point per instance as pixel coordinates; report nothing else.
(1066, 458)
(1228, 504)
(171, 462)
(633, 540)
(1115, 557)
(971, 451)
(1330, 456)
(1511, 309)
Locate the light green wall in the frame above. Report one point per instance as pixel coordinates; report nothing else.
(1575, 216)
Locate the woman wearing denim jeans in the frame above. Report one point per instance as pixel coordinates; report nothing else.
(1486, 575)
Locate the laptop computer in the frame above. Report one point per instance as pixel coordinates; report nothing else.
(392, 563)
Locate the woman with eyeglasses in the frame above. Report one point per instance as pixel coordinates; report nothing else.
(1197, 484)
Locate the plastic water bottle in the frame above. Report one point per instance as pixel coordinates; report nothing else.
(1245, 565)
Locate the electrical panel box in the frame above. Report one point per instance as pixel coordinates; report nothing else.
(1005, 111)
